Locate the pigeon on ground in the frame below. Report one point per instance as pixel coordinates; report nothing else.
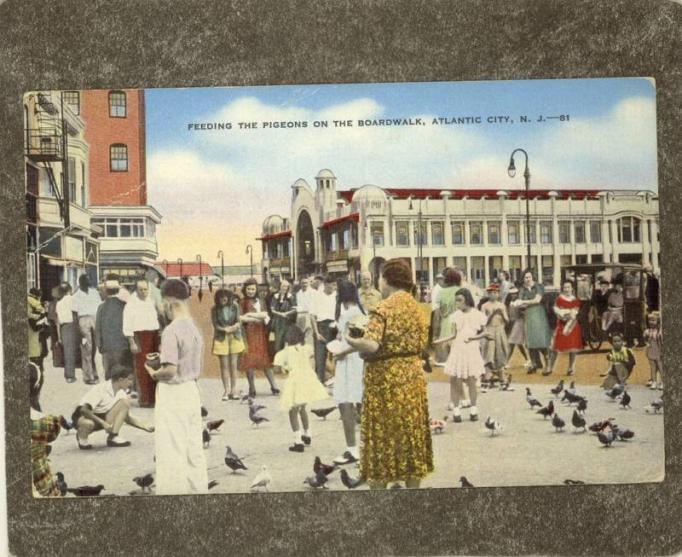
(558, 423)
(623, 434)
(86, 490)
(493, 425)
(465, 483)
(320, 467)
(606, 438)
(547, 410)
(254, 406)
(574, 482)
(556, 390)
(596, 427)
(144, 482)
(61, 483)
(616, 391)
(263, 479)
(656, 406)
(625, 401)
(232, 461)
(323, 412)
(348, 481)
(214, 425)
(255, 418)
(212, 484)
(204, 412)
(582, 405)
(530, 399)
(438, 426)
(571, 398)
(205, 438)
(317, 481)
(244, 397)
(578, 421)
(396, 486)
(65, 424)
(572, 388)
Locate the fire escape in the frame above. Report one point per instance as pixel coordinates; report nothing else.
(46, 144)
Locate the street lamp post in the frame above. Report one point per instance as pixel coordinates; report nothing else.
(222, 268)
(201, 273)
(249, 251)
(526, 175)
(419, 245)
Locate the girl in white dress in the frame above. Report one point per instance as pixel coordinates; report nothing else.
(349, 369)
(465, 362)
(302, 385)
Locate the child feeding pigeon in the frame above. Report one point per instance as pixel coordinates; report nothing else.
(621, 363)
(302, 386)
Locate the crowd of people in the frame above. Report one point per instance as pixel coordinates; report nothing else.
(371, 346)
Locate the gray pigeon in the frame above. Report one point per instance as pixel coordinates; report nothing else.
(232, 461)
(558, 423)
(317, 481)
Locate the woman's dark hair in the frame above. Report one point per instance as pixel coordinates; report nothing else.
(397, 273)
(250, 282)
(35, 378)
(347, 292)
(294, 335)
(451, 277)
(468, 298)
(120, 372)
(222, 293)
(84, 283)
(525, 272)
(619, 279)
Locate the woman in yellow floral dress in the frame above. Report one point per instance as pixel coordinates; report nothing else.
(395, 414)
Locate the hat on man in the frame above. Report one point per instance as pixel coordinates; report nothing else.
(493, 287)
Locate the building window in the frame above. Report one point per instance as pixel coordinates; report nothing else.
(354, 236)
(597, 258)
(285, 249)
(513, 233)
(565, 260)
(423, 238)
(595, 231)
(533, 232)
(118, 154)
(437, 234)
(346, 239)
(494, 233)
(515, 267)
(72, 180)
(333, 245)
(581, 259)
(84, 189)
(402, 233)
(377, 231)
(564, 233)
(579, 232)
(476, 233)
(117, 104)
(628, 230)
(545, 232)
(457, 233)
(547, 269)
(460, 263)
(122, 227)
(72, 98)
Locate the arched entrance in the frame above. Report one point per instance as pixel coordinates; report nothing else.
(305, 245)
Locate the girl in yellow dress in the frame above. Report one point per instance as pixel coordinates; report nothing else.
(302, 386)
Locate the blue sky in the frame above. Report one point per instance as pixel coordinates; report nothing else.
(609, 141)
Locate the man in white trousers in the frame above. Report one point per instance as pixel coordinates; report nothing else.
(180, 461)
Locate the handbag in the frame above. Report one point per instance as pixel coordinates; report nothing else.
(58, 354)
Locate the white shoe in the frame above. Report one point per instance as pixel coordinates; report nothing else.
(451, 406)
(466, 404)
(660, 386)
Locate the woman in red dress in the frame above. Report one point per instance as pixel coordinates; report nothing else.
(568, 336)
(254, 320)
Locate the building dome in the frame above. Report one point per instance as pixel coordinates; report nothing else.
(325, 173)
(300, 183)
(369, 192)
(273, 224)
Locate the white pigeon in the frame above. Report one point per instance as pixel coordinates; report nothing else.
(263, 479)
(493, 426)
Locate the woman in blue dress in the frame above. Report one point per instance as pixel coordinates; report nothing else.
(538, 333)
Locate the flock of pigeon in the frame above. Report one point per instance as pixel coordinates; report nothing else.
(606, 430)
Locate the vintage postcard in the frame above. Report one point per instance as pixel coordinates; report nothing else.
(343, 287)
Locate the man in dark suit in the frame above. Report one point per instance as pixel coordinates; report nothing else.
(111, 342)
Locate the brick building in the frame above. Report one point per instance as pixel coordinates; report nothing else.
(115, 130)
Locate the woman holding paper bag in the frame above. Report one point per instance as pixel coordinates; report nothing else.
(568, 336)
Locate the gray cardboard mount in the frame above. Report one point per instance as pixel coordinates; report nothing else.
(84, 44)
